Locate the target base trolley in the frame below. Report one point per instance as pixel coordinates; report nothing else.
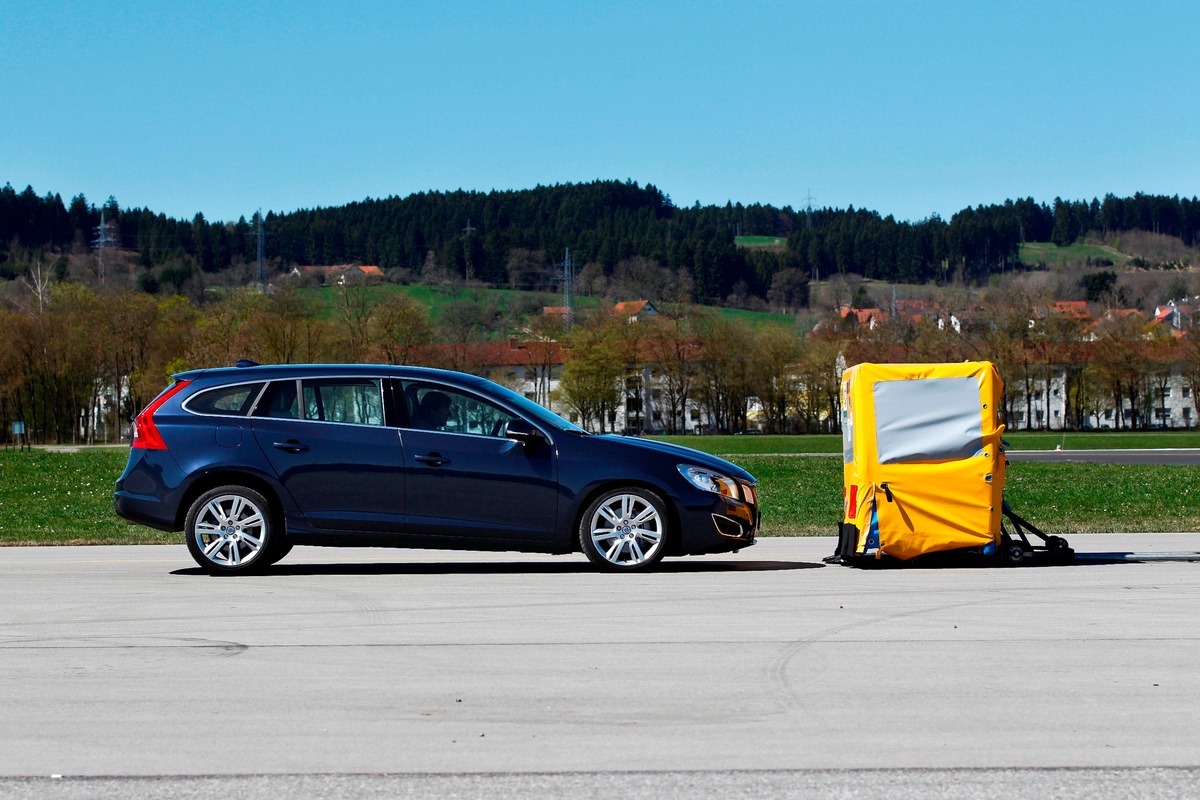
(924, 466)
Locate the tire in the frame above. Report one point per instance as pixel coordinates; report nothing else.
(625, 530)
(232, 530)
(279, 548)
(1059, 551)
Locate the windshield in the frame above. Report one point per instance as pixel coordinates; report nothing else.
(532, 409)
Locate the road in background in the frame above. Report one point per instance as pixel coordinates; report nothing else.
(1166, 456)
(1170, 456)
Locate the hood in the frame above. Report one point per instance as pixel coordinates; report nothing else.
(681, 454)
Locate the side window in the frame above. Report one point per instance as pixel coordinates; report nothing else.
(279, 401)
(437, 408)
(226, 400)
(355, 400)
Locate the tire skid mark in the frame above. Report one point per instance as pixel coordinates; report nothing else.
(789, 696)
(218, 646)
(361, 605)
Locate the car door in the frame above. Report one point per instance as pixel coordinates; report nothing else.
(464, 478)
(327, 441)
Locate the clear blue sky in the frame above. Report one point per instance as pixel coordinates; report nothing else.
(907, 108)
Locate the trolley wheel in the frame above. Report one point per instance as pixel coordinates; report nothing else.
(1058, 550)
(1013, 554)
(1056, 544)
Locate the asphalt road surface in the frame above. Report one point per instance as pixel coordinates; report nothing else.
(378, 673)
(1179, 456)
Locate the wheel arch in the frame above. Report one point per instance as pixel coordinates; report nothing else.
(212, 480)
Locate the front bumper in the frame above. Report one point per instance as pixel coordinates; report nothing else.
(719, 524)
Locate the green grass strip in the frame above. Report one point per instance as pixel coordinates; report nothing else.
(66, 498)
(802, 496)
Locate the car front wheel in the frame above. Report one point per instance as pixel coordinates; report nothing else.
(230, 529)
(625, 530)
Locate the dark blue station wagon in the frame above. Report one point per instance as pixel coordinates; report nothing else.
(249, 461)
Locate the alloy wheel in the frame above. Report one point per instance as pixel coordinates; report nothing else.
(229, 530)
(627, 530)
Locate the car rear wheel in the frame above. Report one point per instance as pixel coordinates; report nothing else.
(625, 530)
(231, 529)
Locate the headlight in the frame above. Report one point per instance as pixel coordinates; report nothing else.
(710, 481)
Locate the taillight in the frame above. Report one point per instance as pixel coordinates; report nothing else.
(145, 432)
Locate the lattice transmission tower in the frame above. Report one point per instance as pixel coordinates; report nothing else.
(106, 240)
(808, 208)
(567, 277)
(260, 234)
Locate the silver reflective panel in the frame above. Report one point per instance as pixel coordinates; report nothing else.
(927, 419)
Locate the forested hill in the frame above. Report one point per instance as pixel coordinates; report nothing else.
(517, 238)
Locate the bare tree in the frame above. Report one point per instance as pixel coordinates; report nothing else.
(1121, 365)
(353, 304)
(673, 354)
(38, 283)
(773, 377)
(292, 331)
(400, 329)
(724, 371)
(818, 401)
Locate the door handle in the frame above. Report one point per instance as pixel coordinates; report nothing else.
(291, 446)
(433, 459)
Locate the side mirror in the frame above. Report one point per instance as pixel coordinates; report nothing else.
(524, 433)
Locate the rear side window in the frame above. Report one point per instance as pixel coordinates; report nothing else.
(279, 401)
(358, 401)
(225, 400)
(355, 400)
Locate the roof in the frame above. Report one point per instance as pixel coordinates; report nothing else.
(1076, 309)
(263, 372)
(863, 316)
(632, 308)
(329, 269)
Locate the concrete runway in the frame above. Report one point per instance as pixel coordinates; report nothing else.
(765, 666)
